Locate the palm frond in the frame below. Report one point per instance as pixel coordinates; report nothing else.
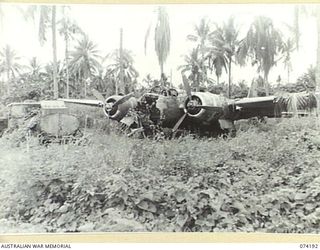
(146, 38)
(44, 23)
(85, 58)
(10, 61)
(162, 35)
(294, 102)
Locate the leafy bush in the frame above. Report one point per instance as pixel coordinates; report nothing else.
(265, 179)
(305, 82)
(238, 90)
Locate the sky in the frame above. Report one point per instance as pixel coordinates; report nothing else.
(102, 23)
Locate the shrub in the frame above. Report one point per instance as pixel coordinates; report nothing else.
(265, 179)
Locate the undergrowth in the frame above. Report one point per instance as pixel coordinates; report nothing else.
(266, 179)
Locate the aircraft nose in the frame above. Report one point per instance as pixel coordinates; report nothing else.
(108, 106)
(191, 105)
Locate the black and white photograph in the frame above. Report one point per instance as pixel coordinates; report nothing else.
(159, 118)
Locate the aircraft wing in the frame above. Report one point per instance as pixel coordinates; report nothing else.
(252, 107)
(24, 104)
(94, 103)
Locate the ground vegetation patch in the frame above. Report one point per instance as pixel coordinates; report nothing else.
(266, 179)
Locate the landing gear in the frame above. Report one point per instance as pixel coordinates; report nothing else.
(228, 127)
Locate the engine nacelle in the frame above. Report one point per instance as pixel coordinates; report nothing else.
(121, 110)
(212, 106)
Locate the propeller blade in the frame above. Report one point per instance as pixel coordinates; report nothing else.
(123, 99)
(208, 107)
(179, 122)
(136, 130)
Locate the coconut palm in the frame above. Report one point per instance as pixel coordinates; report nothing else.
(287, 48)
(262, 43)
(84, 60)
(45, 16)
(124, 63)
(99, 81)
(313, 10)
(48, 75)
(299, 11)
(201, 37)
(54, 51)
(34, 82)
(194, 64)
(34, 66)
(161, 37)
(296, 30)
(218, 62)
(68, 29)
(225, 40)
(9, 64)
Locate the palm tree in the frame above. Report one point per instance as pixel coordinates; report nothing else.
(201, 37)
(48, 76)
(217, 62)
(46, 17)
(38, 77)
(54, 51)
(68, 29)
(296, 30)
(314, 11)
(9, 64)
(34, 66)
(287, 48)
(161, 37)
(226, 41)
(125, 63)
(149, 80)
(99, 81)
(84, 60)
(262, 43)
(194, 64)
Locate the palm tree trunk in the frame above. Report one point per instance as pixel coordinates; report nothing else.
(296, 26)
(54, 50)
(116, 85)
(67, 65)
(266, 84)
(122, 85)
(249, 91)
(198, 82)
(229, 82)
(8, 79)
(8, 68)
(202, 64)
(80, 81)
(161, 70)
